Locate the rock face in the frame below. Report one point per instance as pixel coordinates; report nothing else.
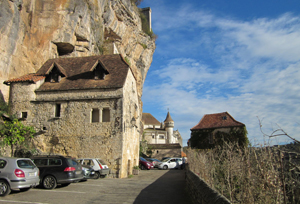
(32, 31)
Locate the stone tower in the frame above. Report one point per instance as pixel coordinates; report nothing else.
(169, 126)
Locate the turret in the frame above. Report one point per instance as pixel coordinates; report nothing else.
(169, 126)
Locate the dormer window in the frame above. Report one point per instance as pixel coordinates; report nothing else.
(224, 117)
(54, 75)
(99, 71)
(98, 74)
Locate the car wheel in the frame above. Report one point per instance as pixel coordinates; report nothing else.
(142, 167)
(49, 182)
(165, 167)
(96, 175)
(25, 189)
(4, 188)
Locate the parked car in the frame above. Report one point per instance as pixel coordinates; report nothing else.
(99, 166)
(88, 172)
(17, 173)
(171, 163)
(144, 164)
(57, 169)
(153, 161)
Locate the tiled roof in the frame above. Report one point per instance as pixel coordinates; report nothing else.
(149, 119)
(32, 78)
(217, 120)
(79, 72)
(168, 118)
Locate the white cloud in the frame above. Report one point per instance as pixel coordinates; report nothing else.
(252, 70)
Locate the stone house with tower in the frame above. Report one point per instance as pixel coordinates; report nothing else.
(82, 107)
(161, 138)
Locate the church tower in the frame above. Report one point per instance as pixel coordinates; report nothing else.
(169, 126)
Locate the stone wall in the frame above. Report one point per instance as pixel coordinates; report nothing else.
(131, 131)
(200, 192)
(165, 150)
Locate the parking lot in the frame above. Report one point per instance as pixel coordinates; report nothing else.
(150, 186)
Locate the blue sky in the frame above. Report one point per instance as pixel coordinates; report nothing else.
(242, 57)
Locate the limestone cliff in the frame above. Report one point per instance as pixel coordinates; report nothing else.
(32, 31)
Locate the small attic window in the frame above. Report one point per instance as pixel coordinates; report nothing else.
(224, 117)
(99, 75)
(99, 72)
(54, 76)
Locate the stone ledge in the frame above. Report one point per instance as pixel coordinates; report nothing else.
(200, 192)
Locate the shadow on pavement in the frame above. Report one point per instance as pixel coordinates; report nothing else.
(169, 188)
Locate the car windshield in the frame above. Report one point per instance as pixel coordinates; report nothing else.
(24, 163)
(165, 160)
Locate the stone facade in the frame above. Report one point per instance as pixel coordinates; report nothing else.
(64, 122)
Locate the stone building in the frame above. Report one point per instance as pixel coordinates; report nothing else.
(82, 107)
(214, 129)
(161, 137)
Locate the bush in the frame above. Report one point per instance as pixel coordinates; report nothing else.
(248, 174)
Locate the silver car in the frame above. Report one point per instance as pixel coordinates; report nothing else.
(17, 173)
(170, 163)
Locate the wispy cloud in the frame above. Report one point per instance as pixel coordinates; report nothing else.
(249, 68)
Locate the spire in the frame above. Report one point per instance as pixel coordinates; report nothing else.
(168, 118)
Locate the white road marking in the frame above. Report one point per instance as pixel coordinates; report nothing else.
(58, 191)
(16, 201)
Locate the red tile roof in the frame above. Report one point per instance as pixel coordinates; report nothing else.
(32, 78)
(217, 120)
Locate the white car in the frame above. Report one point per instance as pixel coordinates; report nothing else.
(170, 163)
(99, 166)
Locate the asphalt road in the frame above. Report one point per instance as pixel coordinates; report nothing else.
(150, 186)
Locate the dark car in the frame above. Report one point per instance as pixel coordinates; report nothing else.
(57, 169)
(144, 164)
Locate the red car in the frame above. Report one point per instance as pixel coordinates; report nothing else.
(144, 164)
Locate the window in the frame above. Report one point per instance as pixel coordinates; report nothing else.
(95, 115)
(24, 115)
(57, 110)
(153, 136)
(2, 163)
(224, 117)
(41, 162)
(105, 115)
(161, 137)
(55, 162)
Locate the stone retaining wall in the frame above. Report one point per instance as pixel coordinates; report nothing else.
(200, 192)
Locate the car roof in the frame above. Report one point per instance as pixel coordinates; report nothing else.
(49, 156)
